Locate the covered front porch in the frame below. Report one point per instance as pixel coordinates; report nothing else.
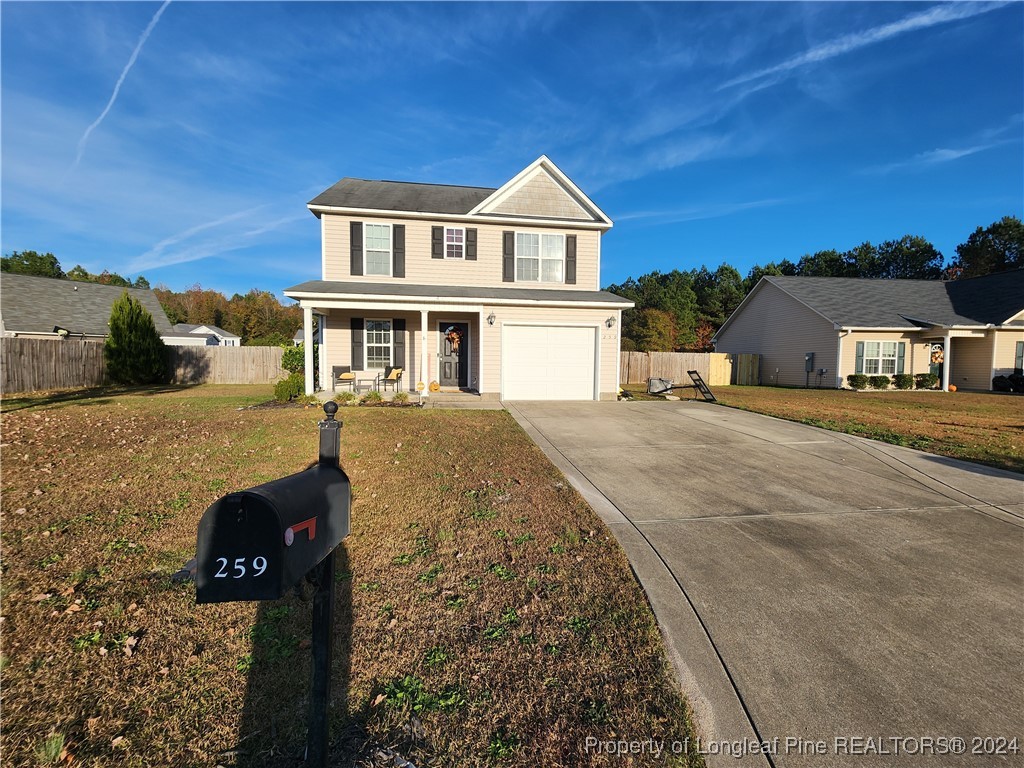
(439, 348)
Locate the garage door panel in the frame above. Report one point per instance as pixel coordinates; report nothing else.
(548, 363)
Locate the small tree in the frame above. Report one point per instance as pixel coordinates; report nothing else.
(134, 351)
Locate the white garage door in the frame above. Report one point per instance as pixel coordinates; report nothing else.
(548, 363)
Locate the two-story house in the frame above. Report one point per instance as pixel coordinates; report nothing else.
(492, 291)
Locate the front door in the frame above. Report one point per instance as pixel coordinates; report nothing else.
(454, 354)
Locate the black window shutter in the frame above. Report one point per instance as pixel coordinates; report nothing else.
(398, 250)
(508, 257)
(356, 238)
(471, 244)
(437, 242)
(357, 343)
(398, 341)
(570, 259)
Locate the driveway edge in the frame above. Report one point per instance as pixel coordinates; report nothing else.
(718, 712)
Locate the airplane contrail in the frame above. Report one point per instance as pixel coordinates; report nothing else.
(120, 81)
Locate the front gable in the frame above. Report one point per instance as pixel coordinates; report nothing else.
(541, 191)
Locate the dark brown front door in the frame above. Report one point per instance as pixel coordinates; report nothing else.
(454, 354)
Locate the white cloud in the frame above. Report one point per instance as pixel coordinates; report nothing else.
(698, 212)
(939, 14)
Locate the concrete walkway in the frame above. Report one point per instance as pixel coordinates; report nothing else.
(852, 597)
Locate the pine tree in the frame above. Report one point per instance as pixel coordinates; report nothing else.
(134, 350)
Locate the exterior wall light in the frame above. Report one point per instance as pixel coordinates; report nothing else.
(610, 322)
(491, 318)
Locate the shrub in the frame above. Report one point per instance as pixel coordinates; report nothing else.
(400, 397)
(371, 398)
(294, 359)
(1016, 382)
(857, 381)
(134, 351)
(345, 397)
(903, 381)
(926, 381)
(290, 388)
(880, 382)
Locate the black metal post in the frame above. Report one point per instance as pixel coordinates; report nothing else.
(330, 435)
(318, 738)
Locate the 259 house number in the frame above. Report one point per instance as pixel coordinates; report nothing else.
(239, 569)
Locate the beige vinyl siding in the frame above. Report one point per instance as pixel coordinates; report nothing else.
(781, 330)
(917, 354)
(608, 352)
(421, 269)
(1006, 351)
(542, 196)
(972, 363)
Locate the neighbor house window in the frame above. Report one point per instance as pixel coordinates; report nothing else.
(378, 343)
(880, 357)
(540, 257)
(377, 249)
(454, 243)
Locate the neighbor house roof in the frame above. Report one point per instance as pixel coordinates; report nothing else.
(327, 288)
(32, 304)
(401, 196)
(852, 302)
(189, 328)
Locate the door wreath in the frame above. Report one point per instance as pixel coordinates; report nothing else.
(454, 337)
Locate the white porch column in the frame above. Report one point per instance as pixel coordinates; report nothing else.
(480, 351)
(422, 373)
(307, 346)
(321, 338)
(947, 360)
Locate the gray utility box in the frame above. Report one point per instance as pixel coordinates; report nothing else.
(259, 543)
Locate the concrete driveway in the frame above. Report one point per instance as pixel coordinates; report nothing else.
(841, 599)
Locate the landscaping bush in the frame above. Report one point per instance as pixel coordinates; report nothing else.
(857, 381)
(345, 398)
(1001, 384)
(400, 397)
(1016, 382)
(926, 381)
(294, 359)
(134, 351)
(880, 382)
(371, 398)
(903, 381)
(290, 388)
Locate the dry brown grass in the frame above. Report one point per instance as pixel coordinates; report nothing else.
(986, 428)
(485, 614)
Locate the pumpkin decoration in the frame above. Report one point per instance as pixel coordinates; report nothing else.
(952, 387)
(435, 387)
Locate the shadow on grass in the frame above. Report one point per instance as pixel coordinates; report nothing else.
(276, 710)
(90, 395)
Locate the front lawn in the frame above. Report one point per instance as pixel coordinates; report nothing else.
(485, 615)
(986, 428)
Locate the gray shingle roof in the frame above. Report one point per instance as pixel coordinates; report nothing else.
(31, 304)
(405, 290)
(858, 303)
(402, 196)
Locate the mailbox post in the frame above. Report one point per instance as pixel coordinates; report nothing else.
(260, 543)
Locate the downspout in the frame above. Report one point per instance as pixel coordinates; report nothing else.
(839, 357)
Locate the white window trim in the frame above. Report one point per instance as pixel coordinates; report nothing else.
(462, 245)
(895, 357)
(391, 249)
(366, 341)
(540, 257)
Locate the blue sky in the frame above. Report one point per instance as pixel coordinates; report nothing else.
(183, 140)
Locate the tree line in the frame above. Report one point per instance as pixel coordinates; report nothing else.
(682, 310)
(257, 316)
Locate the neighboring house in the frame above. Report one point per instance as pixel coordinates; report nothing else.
(44, 307)
(493, 291)
(298, 337)
(965, 331)
(186, 335)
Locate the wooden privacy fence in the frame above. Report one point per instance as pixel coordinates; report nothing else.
(31, 365)
(717, 369)
(35, 365)
(225, 365)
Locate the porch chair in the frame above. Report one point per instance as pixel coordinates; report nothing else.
(392, 376)
(342, 374)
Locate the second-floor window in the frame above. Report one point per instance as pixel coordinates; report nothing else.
(377, 249)
(540, 257)
(454, 243)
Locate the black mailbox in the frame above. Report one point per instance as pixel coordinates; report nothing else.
(259, 543)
